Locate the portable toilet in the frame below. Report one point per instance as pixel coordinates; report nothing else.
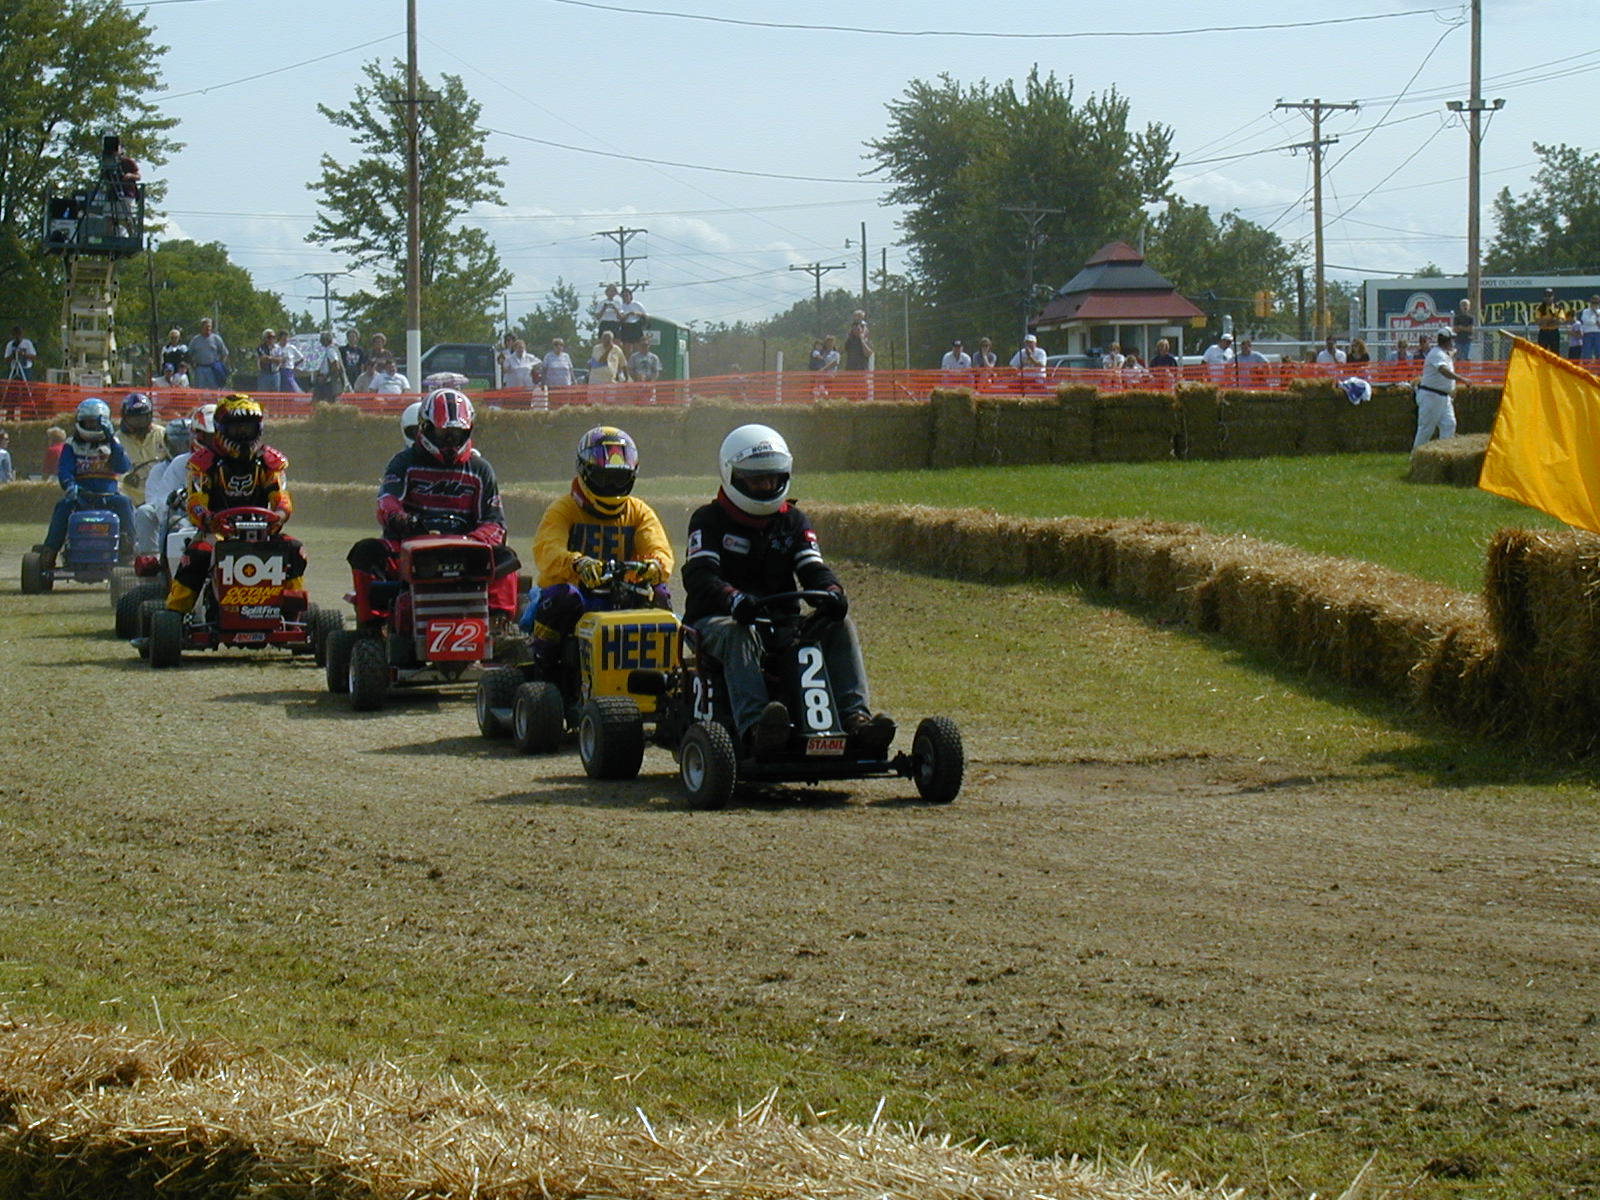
(670, 341)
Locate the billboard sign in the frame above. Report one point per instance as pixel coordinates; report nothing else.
(1408, 307)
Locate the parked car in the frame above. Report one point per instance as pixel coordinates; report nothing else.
(475, 360)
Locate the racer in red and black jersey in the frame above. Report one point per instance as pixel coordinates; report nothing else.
(438, 484)
(234, 471)
(751, 542)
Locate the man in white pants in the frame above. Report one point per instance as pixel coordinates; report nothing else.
(1435, 411)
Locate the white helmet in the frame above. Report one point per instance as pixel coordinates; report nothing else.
(409, 420)
(756, 462)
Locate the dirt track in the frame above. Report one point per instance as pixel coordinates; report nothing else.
(1225, 927)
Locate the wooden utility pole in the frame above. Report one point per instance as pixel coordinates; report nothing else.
(1317, 142)
(1035, 217)
(817, 271)
(413, 203)
(1475, 107)
(622, 236)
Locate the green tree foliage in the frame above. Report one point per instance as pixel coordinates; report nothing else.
(1556, 226)
(363, 207)
(556, 316)
(1228, 257)
(959, 156)
(74, 70)
(188, 281)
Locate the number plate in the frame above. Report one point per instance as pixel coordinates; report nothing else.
(459, 639)
(825, 745)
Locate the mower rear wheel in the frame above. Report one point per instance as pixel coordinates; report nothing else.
(497, 689)
(321, 623)
(336, 659)
(129, 604)
(611, 738)
(538, 718)
(708, 764)
(368, 674)
(34, 580)
(941, 762)
(123, 581)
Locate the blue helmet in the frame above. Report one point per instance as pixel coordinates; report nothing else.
(93, 421)
(137, 404)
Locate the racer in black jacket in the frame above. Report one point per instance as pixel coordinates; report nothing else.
(751, 542)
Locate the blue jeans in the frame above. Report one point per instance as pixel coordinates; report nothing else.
(1591, 347)
(113, 501)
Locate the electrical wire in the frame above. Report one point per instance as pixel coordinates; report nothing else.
(217, 87)
(664, 162)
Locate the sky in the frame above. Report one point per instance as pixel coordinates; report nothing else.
(733, 131)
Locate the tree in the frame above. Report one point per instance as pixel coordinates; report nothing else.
(188, 281)
(555, 317)
(364, 207)
(1556, 226)
(76, 69)
(959, 157)
(1228, 257)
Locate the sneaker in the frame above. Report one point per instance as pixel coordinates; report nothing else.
(771, 730)
(872, 731)
(509, 642)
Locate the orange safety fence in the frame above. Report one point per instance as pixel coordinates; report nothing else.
(21, 401)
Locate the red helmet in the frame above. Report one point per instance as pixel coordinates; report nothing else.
(444, 426)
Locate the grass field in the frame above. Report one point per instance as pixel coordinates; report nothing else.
(274, 924)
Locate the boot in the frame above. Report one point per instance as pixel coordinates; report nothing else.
(181, 597)
(771, 730)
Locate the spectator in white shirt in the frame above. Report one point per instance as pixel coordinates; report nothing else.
(955, 358)
(292, 358)
(1436, 412)
(517, 366)
(558, 365)
(386, 381)
(1218, 355)
(1029, 361)
(1331, 353)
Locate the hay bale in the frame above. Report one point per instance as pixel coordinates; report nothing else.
(1456, 460)
(195, 1120)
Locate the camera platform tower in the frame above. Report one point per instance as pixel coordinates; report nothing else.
(91, 228)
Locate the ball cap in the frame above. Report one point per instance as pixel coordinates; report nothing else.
(1446, 336)
(1227, 337)
(1032, 337)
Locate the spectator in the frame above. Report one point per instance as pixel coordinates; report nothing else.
(1113, 358)
(1248, 363)
(1463, 323)
(1029, 361)
(1163, 355)
(1330, 354)
(956, 361)
(1575, 337)
(827, 366)
(606, 361)
(8, 473)
(1402, 350)
(608, 313)
(1435, 410)
(54, 439)
(1358, 356)
(326, 364)
(209, 355)
(175, 360)
(1589, 321)
(557, 370)
(1218, 355)
(985, 357)
(501, 355)
(352, 357)
(119, 167)
(20, 354)
(644, 365)
(857, 346)
(631, 333)
(289, 368)
(816, 355)
(518, 367)
(268, 360)
(385, 380)
(1551, 318)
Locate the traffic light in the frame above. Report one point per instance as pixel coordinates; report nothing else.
(1266, 303)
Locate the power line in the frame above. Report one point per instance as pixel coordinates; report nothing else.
(664, 162)
(217, 87)
(999, 34)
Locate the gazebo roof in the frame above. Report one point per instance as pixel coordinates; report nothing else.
(1116, 287)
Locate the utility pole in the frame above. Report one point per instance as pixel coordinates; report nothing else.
(865, 295)
(413, 200)
(622, 237)
(817, 271)
(1475, 107)
(1317, 142)
(1035, 217)
(327, 278)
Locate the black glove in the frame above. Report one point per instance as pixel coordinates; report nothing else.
(405, 525)
(743, 608)
(833, 605)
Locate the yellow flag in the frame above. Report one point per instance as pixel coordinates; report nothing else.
(1545, 449)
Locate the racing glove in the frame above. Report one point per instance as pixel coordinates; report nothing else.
(590, 571)
(403, 524)
(834, 605)
(648, 572)
(70, 492)
(743, 608)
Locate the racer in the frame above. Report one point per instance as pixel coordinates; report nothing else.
(166, 476)
(232, 470)
(408, 423)
(145, 442)
(751, 542)
(598, 520)
(439, 483)
(91, 461)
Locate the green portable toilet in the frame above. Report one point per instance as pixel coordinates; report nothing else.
(670, 341)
